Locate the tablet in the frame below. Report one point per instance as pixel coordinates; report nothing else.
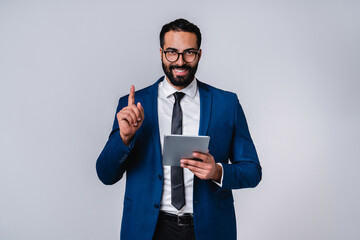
(177, 147)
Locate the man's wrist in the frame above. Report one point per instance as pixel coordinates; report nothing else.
(125, 139)
(218, 173)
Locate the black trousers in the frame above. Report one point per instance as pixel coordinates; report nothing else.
(170, 230)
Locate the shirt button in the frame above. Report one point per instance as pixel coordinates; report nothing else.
(196, 202)
(157, 206)
(160, 177)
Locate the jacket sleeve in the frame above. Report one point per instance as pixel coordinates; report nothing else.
(112, 162)
(245, 170)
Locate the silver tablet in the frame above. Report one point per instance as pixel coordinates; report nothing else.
(177, 147)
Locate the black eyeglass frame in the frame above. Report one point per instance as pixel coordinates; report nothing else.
(182, 53)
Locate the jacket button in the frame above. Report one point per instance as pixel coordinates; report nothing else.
(160, 177)
(157, 206)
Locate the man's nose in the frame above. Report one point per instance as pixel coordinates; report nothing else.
(180, 60)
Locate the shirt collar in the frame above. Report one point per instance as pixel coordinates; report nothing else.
(189, 90)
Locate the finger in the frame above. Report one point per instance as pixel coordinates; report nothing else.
(131, 99)
(188, 162)
(129, 115)
(194, 168)
(133, 116)
(199, 174)
(137, 112)
(126, 118)
(204, 157)
(140, 107)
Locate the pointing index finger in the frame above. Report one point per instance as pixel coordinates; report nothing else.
(131, 99)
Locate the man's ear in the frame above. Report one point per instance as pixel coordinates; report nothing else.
(200, 52)
(161, 53)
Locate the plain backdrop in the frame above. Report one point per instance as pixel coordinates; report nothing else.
(294, 64)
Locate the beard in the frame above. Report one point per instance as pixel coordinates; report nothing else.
(180, 81)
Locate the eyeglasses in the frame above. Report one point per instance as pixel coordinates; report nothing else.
(188, 56)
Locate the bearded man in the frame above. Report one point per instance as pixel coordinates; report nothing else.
(193, 201)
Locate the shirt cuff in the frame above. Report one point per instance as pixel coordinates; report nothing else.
(222, 176)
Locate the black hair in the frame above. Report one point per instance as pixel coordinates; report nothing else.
(180, 25)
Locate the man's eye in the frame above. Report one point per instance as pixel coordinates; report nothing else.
(189, 53)
(171, 52)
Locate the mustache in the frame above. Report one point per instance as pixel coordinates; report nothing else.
(186, 67)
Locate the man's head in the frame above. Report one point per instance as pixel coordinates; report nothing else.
(180, 51)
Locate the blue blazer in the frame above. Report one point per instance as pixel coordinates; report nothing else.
(221, 118)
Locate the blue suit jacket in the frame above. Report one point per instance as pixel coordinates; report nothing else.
(221, 118)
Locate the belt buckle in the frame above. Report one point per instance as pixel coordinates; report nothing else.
(181, 224)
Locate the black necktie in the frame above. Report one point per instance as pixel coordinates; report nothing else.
(177, 176)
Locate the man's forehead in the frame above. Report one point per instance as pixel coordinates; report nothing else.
(175, 39)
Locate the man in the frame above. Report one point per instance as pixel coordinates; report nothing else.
(193, 201)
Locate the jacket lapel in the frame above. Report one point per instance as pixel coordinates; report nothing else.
(205, 108)
(152, 115)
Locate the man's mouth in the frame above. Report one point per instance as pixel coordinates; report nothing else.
(180, 71)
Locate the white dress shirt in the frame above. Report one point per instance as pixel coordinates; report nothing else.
(190, 105)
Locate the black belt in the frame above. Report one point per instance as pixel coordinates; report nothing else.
(185, 220)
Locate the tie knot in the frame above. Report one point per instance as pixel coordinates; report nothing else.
(178, 95)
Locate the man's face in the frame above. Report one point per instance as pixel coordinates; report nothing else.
(180, 73)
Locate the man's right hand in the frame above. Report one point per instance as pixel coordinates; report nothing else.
(130, 118)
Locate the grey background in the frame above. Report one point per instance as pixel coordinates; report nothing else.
(293, 64)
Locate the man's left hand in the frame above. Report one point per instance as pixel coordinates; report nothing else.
(205, 169)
